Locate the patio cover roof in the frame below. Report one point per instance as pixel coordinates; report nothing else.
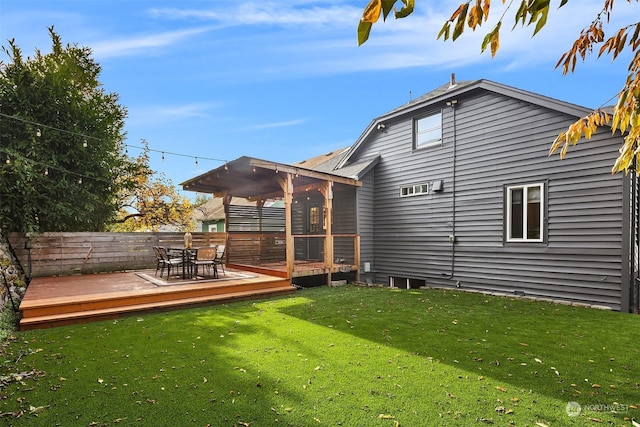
(256, 179)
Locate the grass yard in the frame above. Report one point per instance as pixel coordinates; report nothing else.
(349, 356)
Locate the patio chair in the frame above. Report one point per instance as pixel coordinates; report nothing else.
(159, 263)
(205, 257)
(168, 261)
(219, 259)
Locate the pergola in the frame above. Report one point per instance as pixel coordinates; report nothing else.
(261, 180)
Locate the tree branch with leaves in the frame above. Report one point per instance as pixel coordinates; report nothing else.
(152, 201)
(592, 38)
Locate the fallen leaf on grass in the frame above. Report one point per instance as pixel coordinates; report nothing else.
(501, 388)
(595, 420)
(541, 425)
(35, 410)
(386, 417)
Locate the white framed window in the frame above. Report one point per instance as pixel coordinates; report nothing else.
(414, 190)
(525, 213)
(428, 131)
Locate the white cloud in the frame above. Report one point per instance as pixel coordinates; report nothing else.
(135, 45)
(266, 13)
(160, 113)
(276, 124)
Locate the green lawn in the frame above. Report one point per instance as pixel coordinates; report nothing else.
(349, 356)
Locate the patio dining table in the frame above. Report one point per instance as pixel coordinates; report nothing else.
(187, 255)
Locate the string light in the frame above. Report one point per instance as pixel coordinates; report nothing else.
(196, 162)
(8, 161)
(87, 137)
(163, 156)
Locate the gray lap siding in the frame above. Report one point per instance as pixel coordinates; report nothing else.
(499, 141)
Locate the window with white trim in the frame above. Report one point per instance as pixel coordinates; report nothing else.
(428, 131)
(525, 213)
(414, 190)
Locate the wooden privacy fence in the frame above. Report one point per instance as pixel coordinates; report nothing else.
(60, 253)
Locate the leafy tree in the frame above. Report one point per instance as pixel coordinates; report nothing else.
(472, 14)
(152, 202)
(61, 137)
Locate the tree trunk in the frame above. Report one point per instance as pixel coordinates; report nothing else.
(13, 282)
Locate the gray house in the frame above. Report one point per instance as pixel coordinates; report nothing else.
(458, 190)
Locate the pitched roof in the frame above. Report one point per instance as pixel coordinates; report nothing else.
(450, 92)
(323, 162)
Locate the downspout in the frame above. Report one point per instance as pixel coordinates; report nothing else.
(635, 241)
(452, 237)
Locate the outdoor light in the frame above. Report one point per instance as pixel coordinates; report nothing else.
(38, 133)
(84, 143)
(381, 126)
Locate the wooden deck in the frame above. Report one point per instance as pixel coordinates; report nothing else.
(301, 268)
(63, 300)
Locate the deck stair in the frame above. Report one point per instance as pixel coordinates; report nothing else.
(44, 311)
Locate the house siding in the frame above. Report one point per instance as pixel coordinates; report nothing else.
(365, 207)
(497, 141)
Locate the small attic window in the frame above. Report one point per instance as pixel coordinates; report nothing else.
(428, 131)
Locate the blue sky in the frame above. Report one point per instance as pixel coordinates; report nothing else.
(285, 80)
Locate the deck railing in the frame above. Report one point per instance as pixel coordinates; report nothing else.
(62, 253)
(264, 248)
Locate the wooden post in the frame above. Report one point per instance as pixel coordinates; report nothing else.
(259, 206)
(287, 188)
(226, 201)
(327, 192)
(356, 255)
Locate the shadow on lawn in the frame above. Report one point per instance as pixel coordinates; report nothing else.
(563, 352)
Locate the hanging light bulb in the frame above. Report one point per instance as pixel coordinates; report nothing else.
(196, 162)
(79, 180)
(46, 171)
(84, 143)
(163, 156)
(38, 133)
(8, 161)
